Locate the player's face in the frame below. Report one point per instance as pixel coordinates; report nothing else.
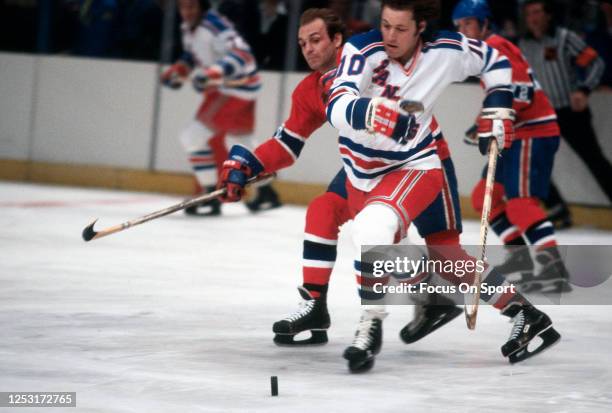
(400, 33)
(470, 27)
(190, 12)
(318, 49)
(536, 18)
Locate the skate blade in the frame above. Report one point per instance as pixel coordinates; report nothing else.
(549, 337)
(196, 213)
(318, 337)
(408, 337)
(264, 207)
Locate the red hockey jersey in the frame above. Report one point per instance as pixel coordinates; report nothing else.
(535, 116)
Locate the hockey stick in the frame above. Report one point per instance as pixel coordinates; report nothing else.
(471, 310)
(89, 233)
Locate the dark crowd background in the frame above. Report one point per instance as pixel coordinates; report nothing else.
(148, 30)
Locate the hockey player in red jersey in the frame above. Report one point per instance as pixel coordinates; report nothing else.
(522, 176)
(224, 70)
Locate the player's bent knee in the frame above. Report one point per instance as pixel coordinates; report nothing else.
(195, 137)
(375, 225)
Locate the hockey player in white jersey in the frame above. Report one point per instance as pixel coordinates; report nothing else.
(390, 158)
(224, 70)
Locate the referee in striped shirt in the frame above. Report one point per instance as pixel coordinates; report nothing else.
(568, 71)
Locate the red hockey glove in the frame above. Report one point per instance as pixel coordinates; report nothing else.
(239, 167)
(175, 75)
(495, 123)
(384, 116)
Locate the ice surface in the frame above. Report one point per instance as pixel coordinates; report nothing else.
(175, 316)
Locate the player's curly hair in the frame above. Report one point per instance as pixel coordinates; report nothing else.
(333, 22)
(422, 10)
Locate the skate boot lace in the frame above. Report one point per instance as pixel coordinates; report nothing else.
(305, 307)
(363, 337)
(519, 324)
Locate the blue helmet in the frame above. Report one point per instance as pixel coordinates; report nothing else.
(471, 8)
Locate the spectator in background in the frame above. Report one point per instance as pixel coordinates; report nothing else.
(568, 70)
(97, 27)
(270, 49)
(139, 30)
(601, 40)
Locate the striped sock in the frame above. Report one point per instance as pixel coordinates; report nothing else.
(541, 235)
(319, 257)
(509, 234)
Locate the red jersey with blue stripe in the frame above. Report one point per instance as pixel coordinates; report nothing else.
(535, 115)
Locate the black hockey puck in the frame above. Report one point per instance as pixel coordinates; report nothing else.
(274, 385)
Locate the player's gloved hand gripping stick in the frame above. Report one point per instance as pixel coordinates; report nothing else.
(90, 234)
(495, 131)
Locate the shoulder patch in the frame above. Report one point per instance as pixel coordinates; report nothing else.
(362, 40)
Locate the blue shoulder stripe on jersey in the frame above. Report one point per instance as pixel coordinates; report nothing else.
(363, 39)
(503, 64)
(294, 144)
(338, 184)
(320, 252)
(373, 50)
(447, 34)
(379, 153)
(216, 20)
(499, 99)
(442, 46)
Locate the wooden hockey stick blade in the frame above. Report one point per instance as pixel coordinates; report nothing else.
(412, 106)
(472, 312)
(89, 233)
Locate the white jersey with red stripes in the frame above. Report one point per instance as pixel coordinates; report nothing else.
(366, 71)
(215, 41)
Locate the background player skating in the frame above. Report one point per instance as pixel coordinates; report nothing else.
(389, 156)
(225, 71)
(523, 174)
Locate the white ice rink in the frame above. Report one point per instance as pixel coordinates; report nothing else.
(175, 316)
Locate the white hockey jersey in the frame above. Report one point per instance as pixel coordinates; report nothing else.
(366, 71)
(215, 41)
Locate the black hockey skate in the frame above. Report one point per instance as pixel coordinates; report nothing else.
(210, 208)
(266, 198)
(367, 342)
(429, 317)
(517, 265)
(529, 322)
(552, 277)
(311, 316)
